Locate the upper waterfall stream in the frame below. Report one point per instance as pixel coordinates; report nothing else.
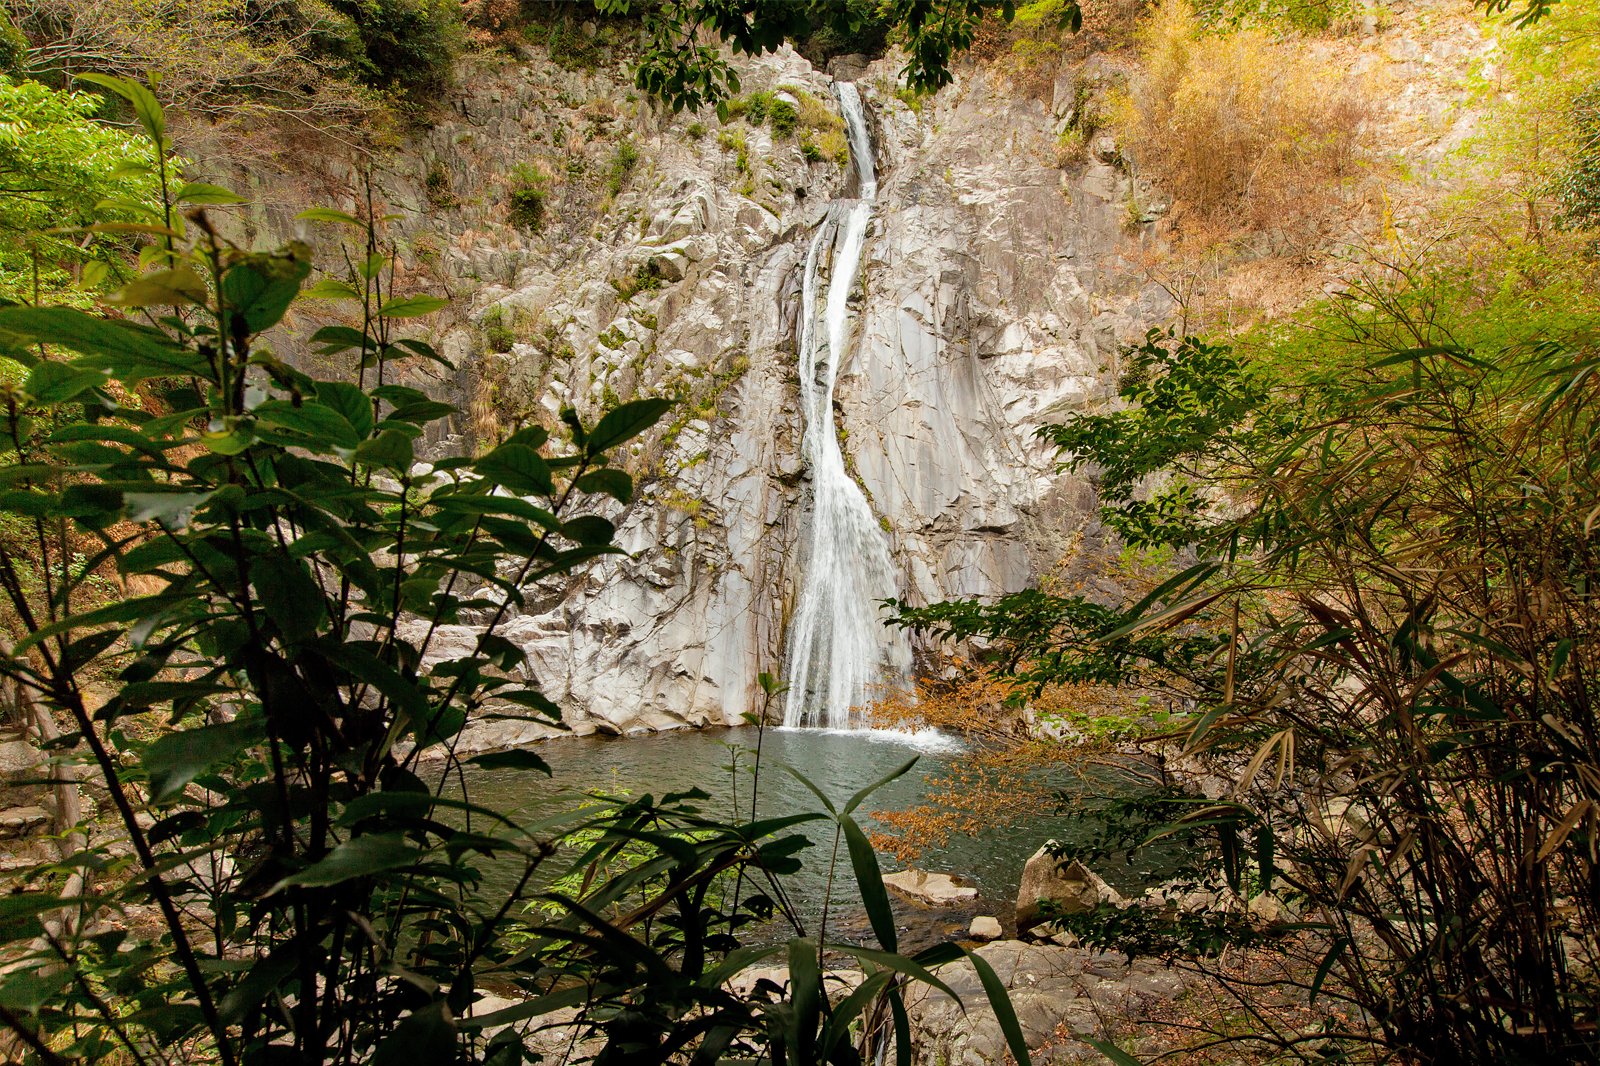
(840, 653)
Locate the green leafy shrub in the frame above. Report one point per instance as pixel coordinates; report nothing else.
(60, 169)
(411, 45)
(1577, 188)
(646, 279)
(1354, 498)
(755, 107)
(13, 45)
(436, 184)
(784, 116)
(736, 142)
(497, 333)
(529, 191)
(623, 162)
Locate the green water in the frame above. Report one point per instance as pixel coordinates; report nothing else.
(837, 762)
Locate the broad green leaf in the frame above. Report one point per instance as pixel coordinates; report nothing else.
(407, 693)
(427, 1036)
(805, 997)
(145, 107)
(532, 436)
(92, 505)
(340, 338)
(361, 856)
(612, 482)
(260, 287)
(211, 195)
(129, 610)
(390, 449)
(289, 596)
(349, 401)
(51, 382)
(589, 530)
(624, 423)
(320, 425)
(518, 468)
(30, 989)
(330, 289)
(507, 505)
(412, 306)
(844, 1015)
(532, 698)
(162, 288)
(533, 1008)
(869, 878)
(421, 412)
(179, 757)
(263, 977)
(328, 214)
(231, 436)
(900, 964)
(514, 759)
(1000, 1003)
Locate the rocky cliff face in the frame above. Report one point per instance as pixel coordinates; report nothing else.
(990, 300)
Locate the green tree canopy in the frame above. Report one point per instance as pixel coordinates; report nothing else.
(59, 170)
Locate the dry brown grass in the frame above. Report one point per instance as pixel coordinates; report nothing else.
(1244, 129)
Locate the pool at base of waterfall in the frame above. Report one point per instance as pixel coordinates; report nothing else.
(836, 762)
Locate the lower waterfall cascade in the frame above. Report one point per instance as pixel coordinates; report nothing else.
(840, 652)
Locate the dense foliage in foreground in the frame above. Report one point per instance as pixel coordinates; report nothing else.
(275, 726)
(1387, 635)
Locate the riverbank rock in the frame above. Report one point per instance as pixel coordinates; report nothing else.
(929, 889)
(17, 821)
(1061, 995)
(1068, 888)
(984, 927)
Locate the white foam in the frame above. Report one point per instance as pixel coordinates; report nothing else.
(930, 741)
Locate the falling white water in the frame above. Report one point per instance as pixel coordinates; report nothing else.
(840, 652)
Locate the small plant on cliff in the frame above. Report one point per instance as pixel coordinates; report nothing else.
(497, 333)
(436, 184)
(623, 162)
(530, 189)
(784, 116)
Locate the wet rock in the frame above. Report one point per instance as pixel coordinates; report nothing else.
(929, 889)
(984, 927)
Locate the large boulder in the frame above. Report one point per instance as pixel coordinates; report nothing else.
(1068, 888)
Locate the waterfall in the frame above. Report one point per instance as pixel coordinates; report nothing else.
(840, 653)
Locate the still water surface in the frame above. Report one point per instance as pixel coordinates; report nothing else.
(838, 762)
